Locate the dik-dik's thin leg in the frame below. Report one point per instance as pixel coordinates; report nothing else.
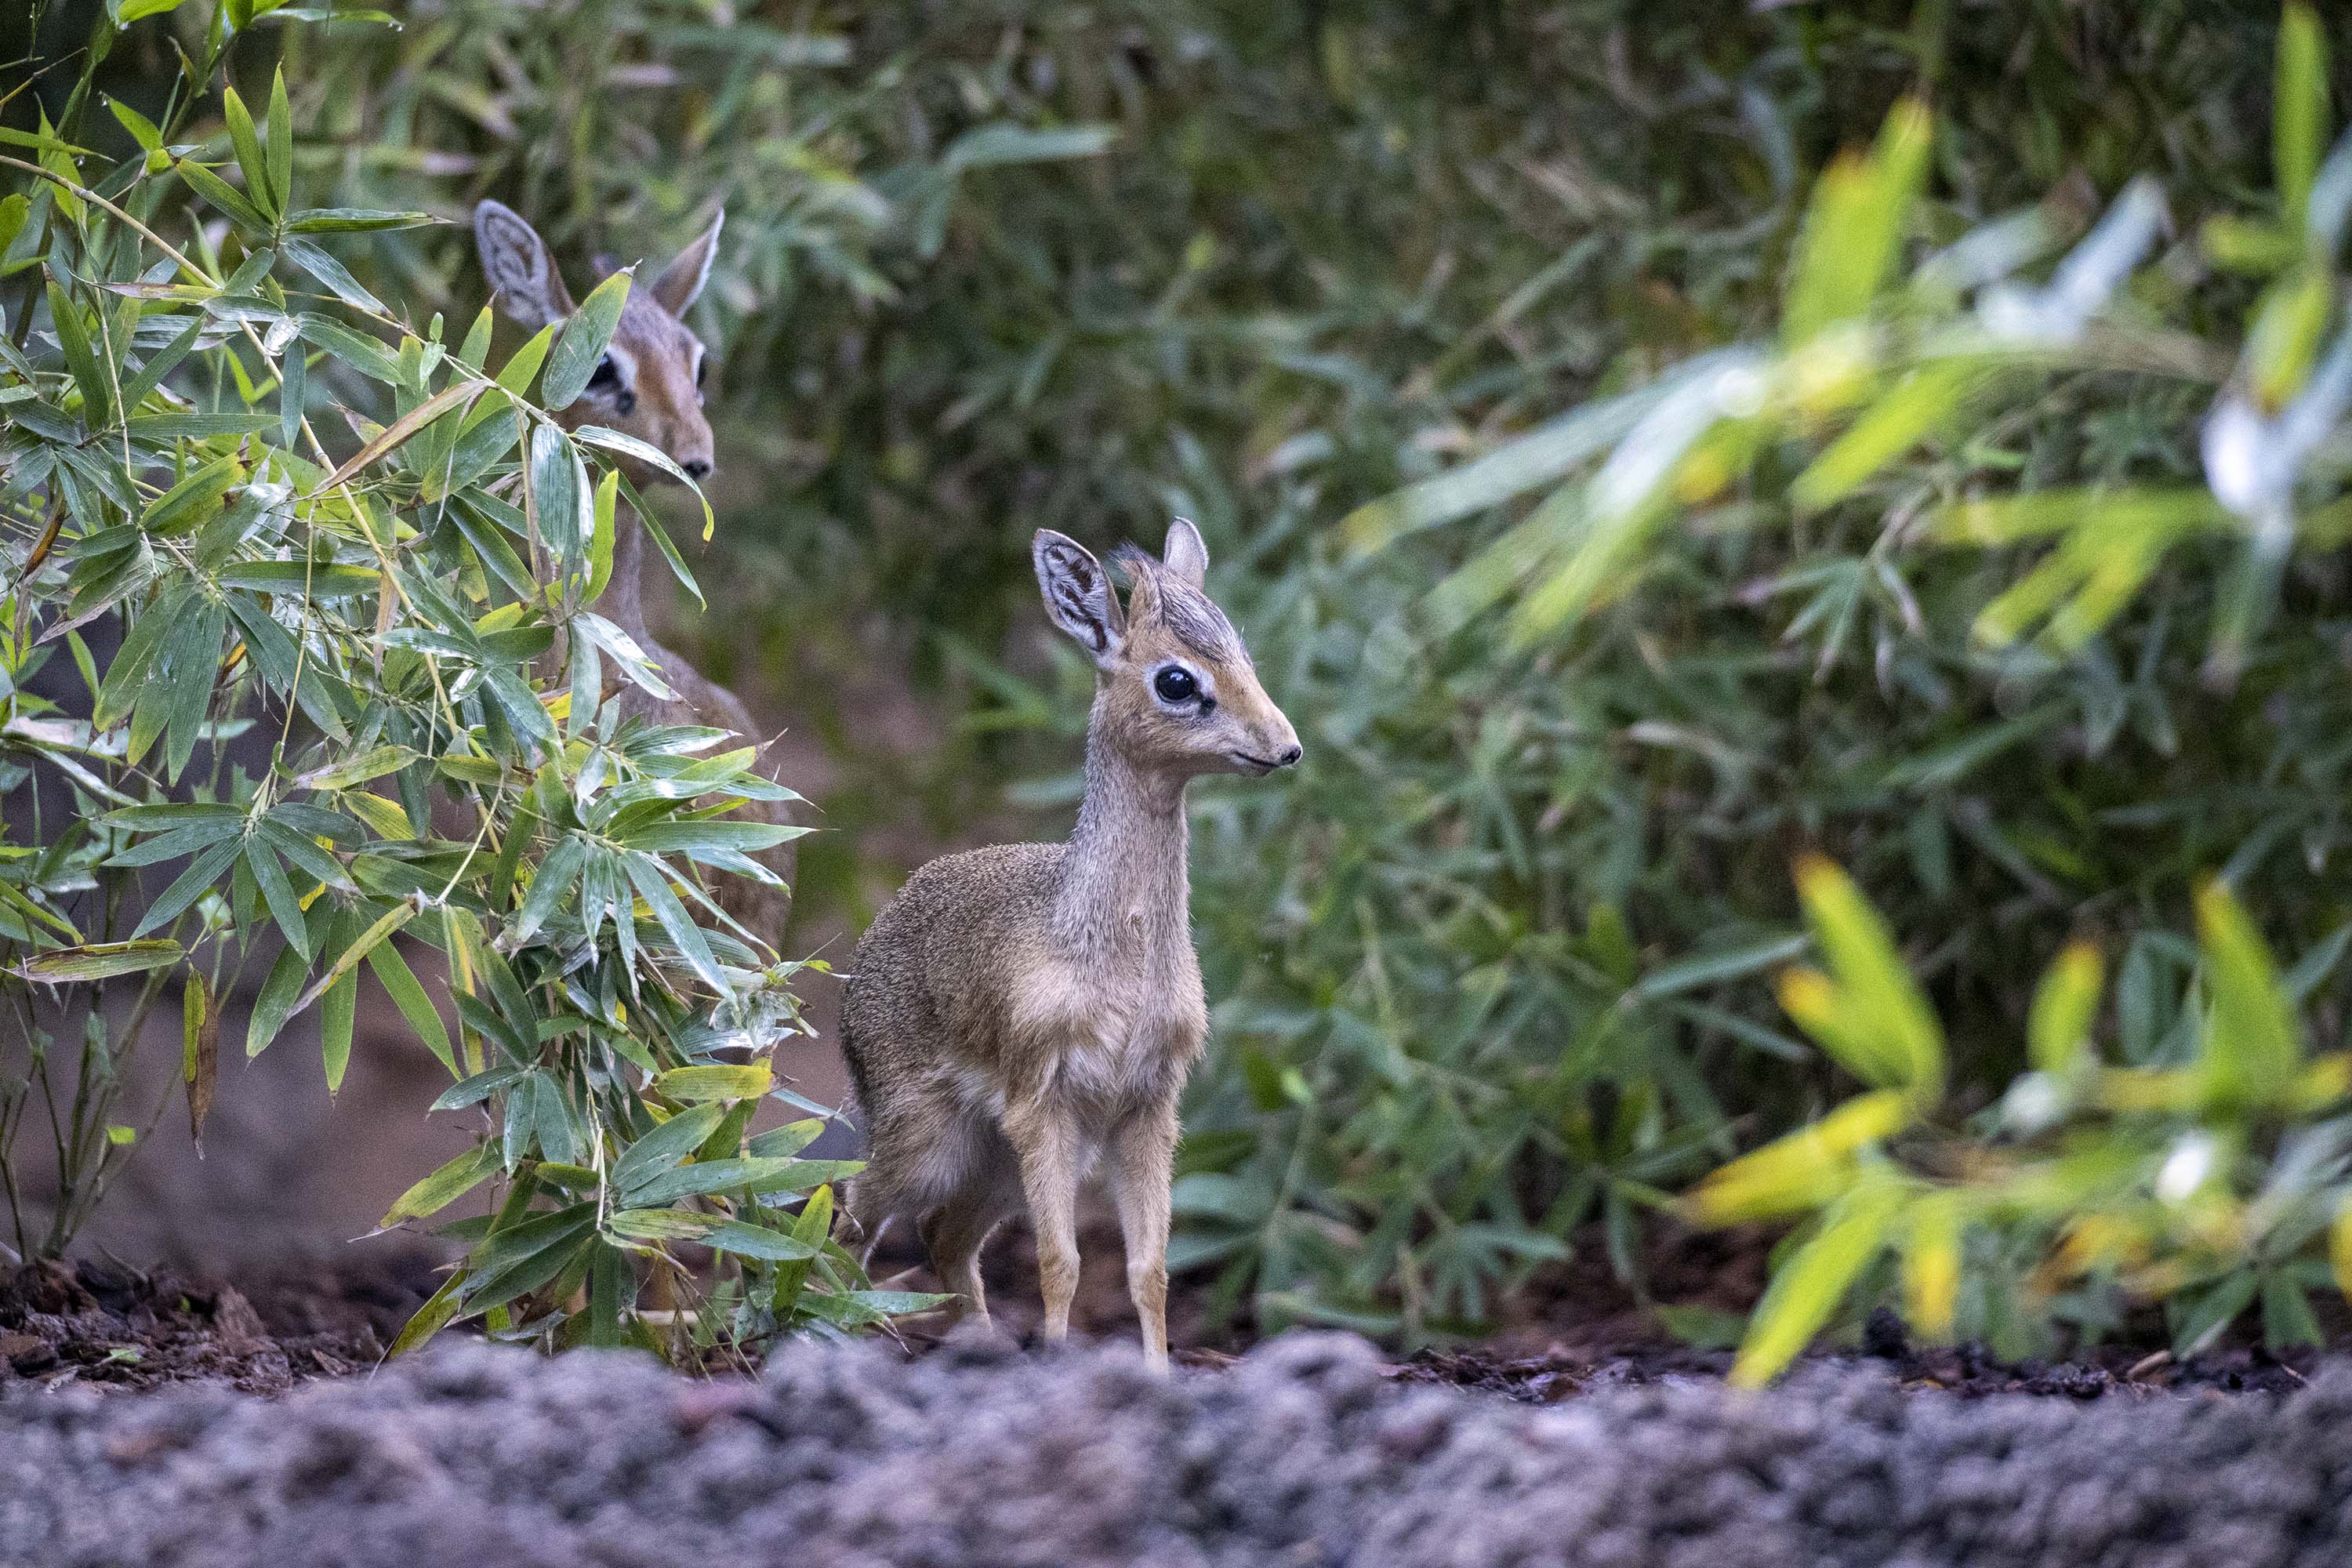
(1138, 1164)
(1046, 1144)
(954, 1236)
(865, 1215)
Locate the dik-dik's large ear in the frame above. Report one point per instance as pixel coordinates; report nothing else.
(681, 282)
(1078, 593)
(521, 268)
(1184, 555)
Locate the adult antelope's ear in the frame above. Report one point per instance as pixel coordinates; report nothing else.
(681, 282)
(1184, 555)
(521, 268)
(1079, 595)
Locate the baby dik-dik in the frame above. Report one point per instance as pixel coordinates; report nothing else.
(1020, 1012)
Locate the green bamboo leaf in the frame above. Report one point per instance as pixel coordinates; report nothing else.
(1855, 227)
(311, 259)
(97, 961)
(274, 1005)
(1901, 417)
(362, 354)
(193, 658)
(358, 220)
(716, 1082)
(813, 1227)
(2251, 1046)
(1809, 1288)
(659, 1224)
(440, 1308)
(337, 1013)
(652, 882)
(559, 488)
(142, 131)
(159, 363)
(1874, 985)
(188, 887)
(516, 375)
(759, 1241)
(662, 1148)
(2299, 108)
(318, 581)
(82, 360)
(261, 860)
(555, 876)
(534, 1253)
(220, 193)
(2059, 1027)
(651, 456)
(278, 125)
(250, 160)
(194, 499)
(580, 340)
(344, 772)
(356, 946)
(452, 1181)
(400, 983)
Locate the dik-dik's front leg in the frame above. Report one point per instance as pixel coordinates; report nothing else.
(1045, 1141)
(1139, 1162)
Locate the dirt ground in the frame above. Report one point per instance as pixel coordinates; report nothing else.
(1306, 1452)
(100, 1324)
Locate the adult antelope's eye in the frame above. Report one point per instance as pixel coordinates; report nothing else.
(608, 375)
(1176, 684)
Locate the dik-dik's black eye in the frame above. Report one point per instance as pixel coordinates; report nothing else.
(1176, 684)
(608, 375)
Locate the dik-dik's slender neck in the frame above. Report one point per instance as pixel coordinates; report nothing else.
(1127, 878)
(623, 600)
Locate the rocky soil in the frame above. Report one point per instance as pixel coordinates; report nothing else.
(1306, 1452)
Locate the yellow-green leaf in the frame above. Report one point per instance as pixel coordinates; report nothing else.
(99, 960)
(1874, 985)
(445, 1186)
(1931, 1263)
(717, 1082)
(1809, 1286)
(2063, 1006)
(2250, 1047)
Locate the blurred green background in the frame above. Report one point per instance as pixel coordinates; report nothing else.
(1491, 973)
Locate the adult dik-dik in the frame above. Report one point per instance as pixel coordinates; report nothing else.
(649, 385)
(1018, 1013)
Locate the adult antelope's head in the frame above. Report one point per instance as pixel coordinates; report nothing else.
(650, 382)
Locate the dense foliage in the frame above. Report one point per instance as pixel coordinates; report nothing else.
(1496, 967)
(2209, 1178)
(381, 609)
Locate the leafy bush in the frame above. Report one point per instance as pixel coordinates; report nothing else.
(1813, 428)
(2207, 1184)
(328, 648)
(1495, 964)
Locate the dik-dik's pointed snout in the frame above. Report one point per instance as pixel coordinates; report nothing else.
(1273, 744)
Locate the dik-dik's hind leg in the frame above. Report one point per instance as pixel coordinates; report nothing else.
(865, 1209)
(1139, 1165)
(954, 1234)
(1045, 1142)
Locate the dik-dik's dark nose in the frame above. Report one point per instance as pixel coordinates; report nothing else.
(696, 467)
(1287, 755)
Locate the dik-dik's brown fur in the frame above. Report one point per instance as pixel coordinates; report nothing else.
(1020, 1012)
(649, 385)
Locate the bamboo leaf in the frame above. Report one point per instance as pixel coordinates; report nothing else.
(97, 961)
(454, 1179)
(1810, 1286)
(580, 340)
(199, 1051)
